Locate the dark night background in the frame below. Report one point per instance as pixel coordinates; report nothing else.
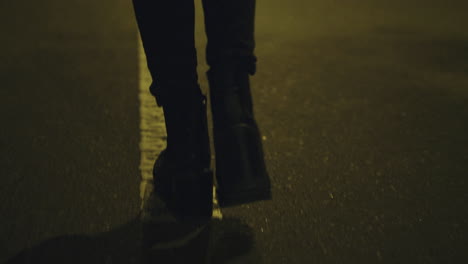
(363, 106)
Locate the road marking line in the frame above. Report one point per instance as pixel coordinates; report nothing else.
(152, 132)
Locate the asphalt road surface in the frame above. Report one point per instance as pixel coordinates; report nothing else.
(363, 106)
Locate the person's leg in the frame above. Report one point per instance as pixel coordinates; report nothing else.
(229, 26)
(181, 172)
(240, 168)
(167, 32)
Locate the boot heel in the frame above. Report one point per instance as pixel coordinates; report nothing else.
(240, 167)
(193, 199)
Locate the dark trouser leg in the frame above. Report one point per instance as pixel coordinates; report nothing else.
(240, 168)
(167, 32)
(229, 26)
(181, 172)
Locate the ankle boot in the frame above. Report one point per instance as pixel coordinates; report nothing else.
(182, 175)
(240, 167)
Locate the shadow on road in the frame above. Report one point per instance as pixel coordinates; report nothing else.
(223, 241)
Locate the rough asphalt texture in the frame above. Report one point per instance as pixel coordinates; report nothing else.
(363, 105)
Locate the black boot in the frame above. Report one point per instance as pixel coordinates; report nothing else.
(240, 167)
(182, 175)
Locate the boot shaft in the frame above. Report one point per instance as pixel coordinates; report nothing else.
(231, 99)
(187, 130)
(240, 167)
